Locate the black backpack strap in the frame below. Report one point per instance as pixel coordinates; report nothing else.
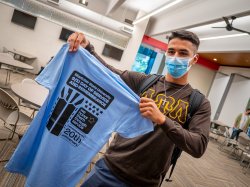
(195, 101)
(175, 155)
(148, 82)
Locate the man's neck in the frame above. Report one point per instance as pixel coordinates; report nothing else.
(181, 81)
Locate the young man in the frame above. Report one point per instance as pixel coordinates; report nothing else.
(241, 124)
(143, 161)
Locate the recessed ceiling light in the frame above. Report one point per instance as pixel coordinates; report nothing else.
(215, 59)
(224, 36)
(156, 11)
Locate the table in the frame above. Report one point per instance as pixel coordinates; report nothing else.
(216, 123)
(218, 128)
(33, 93)
(7, 59)
(22, 55)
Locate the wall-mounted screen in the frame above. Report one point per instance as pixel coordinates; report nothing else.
(23, 19)
(112, 52)
(65, 33)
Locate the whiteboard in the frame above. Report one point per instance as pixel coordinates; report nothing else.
(216, 91)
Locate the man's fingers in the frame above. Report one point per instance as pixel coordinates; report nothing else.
(144, 99)
(78, 41)
(75, 40)
(146, 109)
(71, 40)
(146, 114)
(147, 104)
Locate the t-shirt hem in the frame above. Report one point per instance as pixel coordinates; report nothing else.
(16, 171)
(133, 135)
(113, 171)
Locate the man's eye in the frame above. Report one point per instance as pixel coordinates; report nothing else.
(183, 54)
(171, 52)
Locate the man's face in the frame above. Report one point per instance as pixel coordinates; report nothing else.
(183, 49)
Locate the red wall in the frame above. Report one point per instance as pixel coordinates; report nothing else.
(155, 43)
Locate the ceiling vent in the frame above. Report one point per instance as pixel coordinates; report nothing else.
(126, 29)
(128, 21)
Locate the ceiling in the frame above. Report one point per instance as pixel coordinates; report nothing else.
(198, 16)
(227, 58)
(134, 5)
(237, 59)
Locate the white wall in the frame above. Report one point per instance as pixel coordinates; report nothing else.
(134, 44)
(43, 42)
(201, 78)
(229, 70)
(216, 92)
(236, 100)
(218, 88)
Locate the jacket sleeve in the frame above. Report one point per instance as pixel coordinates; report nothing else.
(237, 121)
(131, 78)
(194, 140)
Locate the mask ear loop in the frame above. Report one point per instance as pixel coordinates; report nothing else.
(189, 64)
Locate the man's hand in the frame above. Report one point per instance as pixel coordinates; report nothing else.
(149, 110)
(75, 40)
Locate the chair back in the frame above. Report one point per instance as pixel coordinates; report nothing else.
(243, 139)
(227, 133)
(8, 107)
(222, 130)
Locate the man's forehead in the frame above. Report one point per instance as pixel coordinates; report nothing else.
(178, 44)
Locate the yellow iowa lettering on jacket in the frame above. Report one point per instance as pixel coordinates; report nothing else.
(176, 110)
(180, 111)
(148, 94)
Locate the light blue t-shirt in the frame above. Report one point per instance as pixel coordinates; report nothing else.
(86, 103)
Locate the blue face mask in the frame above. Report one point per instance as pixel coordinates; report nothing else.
(177, 67)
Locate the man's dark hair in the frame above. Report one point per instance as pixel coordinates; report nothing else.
(185, 35)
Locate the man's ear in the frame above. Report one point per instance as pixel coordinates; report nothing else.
(195, 59)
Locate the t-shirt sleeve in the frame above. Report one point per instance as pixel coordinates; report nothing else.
(133, 124)
(51, 73)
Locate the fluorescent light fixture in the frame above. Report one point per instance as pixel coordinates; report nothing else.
(224, 36)
(156, 11)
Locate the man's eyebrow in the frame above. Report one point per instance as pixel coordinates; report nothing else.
(183, 50)
(170, 49)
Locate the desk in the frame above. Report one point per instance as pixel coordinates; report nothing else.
(33, 93)
(216, 123)
(8, 60)
(22, 55)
